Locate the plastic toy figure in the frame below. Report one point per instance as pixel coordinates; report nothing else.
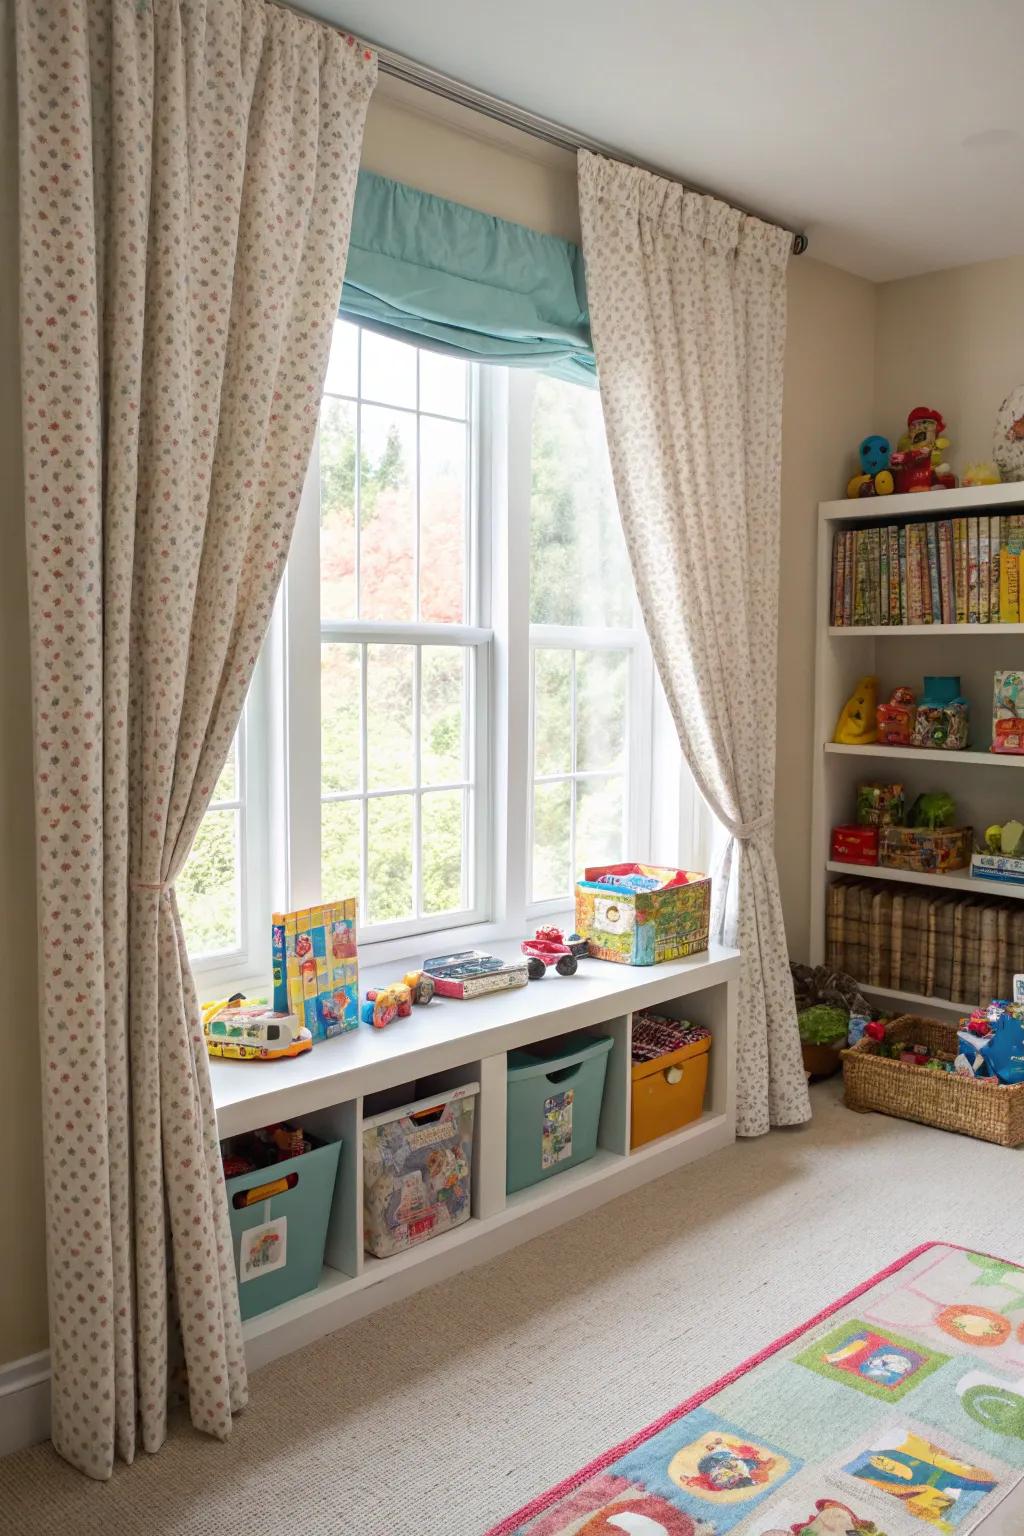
(920, 464)
(549, 947)
(875, 477)
(245, 1031)
(384, 1004)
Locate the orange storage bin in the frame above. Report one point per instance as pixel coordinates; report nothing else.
(668, 1092)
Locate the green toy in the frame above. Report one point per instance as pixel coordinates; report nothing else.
(932, 810)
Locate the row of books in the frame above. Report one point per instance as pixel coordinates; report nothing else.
(960, 570)
(964, 949)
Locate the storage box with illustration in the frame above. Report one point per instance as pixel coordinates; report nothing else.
(555, 1088)
(279, 1214)
(639, 914)
(927, 850)
(417, 1170)
(669, 1075)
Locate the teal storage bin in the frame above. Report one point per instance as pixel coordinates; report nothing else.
(279, 1241)
(554, 1105)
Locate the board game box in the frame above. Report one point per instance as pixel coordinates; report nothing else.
(316, 971)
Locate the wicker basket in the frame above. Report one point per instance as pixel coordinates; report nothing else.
(873, 1080)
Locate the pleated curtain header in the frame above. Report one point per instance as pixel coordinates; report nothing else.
(459, 281)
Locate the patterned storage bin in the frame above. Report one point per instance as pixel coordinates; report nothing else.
(417, 1170)
(639, 914)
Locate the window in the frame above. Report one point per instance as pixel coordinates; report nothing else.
(455, 710)
(590, 664)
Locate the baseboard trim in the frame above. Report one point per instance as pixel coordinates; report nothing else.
(24, 1402)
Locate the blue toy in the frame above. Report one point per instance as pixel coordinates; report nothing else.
(875, 477)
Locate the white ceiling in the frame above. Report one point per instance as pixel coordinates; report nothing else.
(891, 131)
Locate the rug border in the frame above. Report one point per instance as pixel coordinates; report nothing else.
(511, 1524)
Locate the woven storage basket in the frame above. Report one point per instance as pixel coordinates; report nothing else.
(873, 1080)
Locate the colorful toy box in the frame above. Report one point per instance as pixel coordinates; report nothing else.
(669, 1075)
(855, 845)
(926, 850)
(639, 914)
(880, 805)
(316, 972)
(1008, 712)
(417, 1171)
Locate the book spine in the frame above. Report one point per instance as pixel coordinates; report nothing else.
(848, 578)
(960, 567)
(860, 578)
(946, 573)
(935, 596)
(915, 601)
(973, 611)
(984, 574)
(892, 533)
(994, 545)
(904, 589)
(838, 563)
(883, 575)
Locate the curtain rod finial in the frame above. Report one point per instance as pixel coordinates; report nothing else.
(800, 244)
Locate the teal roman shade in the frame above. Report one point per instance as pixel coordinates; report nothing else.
(459, 281)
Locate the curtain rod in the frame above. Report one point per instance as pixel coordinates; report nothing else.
(494, 107)
(501, 111)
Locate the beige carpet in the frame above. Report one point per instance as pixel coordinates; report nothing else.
(447, 1411)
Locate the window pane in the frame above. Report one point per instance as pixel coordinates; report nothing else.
(552, 711)
(442, 520)
(226, 787)
(442, 714)
(389, 716)
(444, 383)
(208, 887)
(599, 822)
(442, 843)
(579, 571)
(339, 717)
(387, 514)
(340, 845)
(389, 371)
(551, 848)
(601, 683)
(342, 367)
(337, 509)
(389, 876)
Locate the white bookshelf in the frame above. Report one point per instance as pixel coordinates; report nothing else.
(980, 781)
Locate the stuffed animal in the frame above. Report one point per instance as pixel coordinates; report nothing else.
(874, 478)
(919, 463)
(858, 723)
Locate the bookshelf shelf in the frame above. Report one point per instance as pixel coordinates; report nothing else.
(923, 631)
(903, 654)
(930, 755)
(992, 889)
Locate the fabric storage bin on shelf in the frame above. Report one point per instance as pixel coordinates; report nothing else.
(555, 1090)
(417, 1170)
(279, 1216)
(640, 914)
(667, 1090)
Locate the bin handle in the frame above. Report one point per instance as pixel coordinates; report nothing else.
(429, 1115)
(563, 1073)
(253, 1196)
(673, 1074)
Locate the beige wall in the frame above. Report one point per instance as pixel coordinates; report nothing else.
(827, 409)
(953, 340)
(22, 1273)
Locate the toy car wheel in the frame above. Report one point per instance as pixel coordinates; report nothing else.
(535, 967)
(566, 965)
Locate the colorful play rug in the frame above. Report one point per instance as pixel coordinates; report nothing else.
(898, 1411)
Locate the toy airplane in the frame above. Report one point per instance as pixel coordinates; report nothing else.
(252, 1031)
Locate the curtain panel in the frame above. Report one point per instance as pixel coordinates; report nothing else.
(187, 175)
(460, 281)
(688, 310)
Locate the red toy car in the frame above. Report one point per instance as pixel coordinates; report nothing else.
(549, 947)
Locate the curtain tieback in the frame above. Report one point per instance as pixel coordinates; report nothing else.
(746, 829)
(163, 886)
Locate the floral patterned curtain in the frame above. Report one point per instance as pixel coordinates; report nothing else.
(187, 175)
(688, 314)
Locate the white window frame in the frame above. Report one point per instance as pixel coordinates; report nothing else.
(666, 819)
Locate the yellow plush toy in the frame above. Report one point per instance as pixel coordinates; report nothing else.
(857, 725)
